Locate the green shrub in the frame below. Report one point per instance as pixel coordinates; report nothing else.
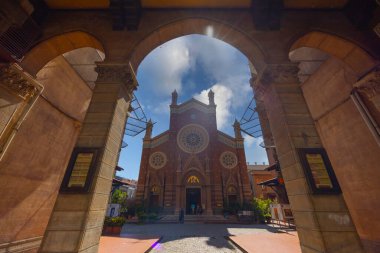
(261, 208)
(114, 221)
(152, 216)
(142, 216)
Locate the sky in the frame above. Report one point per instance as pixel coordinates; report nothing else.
(192, 65)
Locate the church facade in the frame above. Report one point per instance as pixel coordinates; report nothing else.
(193, 165)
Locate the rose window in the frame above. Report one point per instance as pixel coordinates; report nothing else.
(228, 160)
(192, 138)
(157, 160)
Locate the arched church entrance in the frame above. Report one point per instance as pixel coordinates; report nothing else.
(154, 197)
(195, 196)
(232, 196)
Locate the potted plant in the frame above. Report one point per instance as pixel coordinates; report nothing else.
(113, 225)
(262, 210)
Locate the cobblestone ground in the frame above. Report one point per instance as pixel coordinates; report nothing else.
(194, 238)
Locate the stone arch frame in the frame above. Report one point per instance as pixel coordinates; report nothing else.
(187, 26)
(359, 67)
(356, 57)
(48, 49)
(34, 61)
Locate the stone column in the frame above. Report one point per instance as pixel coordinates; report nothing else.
(77, 219)
(369, 86)
(323, 222)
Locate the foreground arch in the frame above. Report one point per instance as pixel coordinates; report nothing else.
(55, 46)
(201, 26)
(350, 53)
(339, 86)
(45, 133)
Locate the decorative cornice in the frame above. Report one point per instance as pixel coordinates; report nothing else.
(274, 73)
(116, 73)
(21, 245)
(370, 84)
(280, 73)
(18, 82)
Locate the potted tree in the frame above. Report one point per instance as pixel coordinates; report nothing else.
(262, 210)
(113, 225)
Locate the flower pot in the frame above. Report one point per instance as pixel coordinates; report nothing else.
(116, 230)
(107, 230)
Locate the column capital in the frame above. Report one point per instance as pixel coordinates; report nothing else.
(369, 85)
(279, 73)
(116, 73)
(18, 82)
(274, 73)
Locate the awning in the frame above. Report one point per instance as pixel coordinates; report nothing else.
(118, 168)
(270, 182)
(275, 166)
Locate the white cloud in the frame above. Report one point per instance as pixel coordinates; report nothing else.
(162, 108)
(251, 141)
(166, 66)
(248, 140)
(254, 152)
(224, 64)
(223, 100)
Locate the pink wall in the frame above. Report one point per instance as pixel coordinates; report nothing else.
(350, 145)
(31, 170)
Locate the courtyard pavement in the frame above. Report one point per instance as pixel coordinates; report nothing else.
(205, 238)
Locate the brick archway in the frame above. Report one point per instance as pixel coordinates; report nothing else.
(350, 53)
(329, 70)
(47, 135)
(53, 47)
(218, 30)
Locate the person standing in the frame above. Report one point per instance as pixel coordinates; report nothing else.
(198, 209)
(181, 216)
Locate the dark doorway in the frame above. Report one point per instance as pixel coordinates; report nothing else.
(193, 199)
(153, 201)
(232, 200)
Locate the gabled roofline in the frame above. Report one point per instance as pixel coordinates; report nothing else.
(226, 135)
(192, 103)
(160, 135)
(192, 100)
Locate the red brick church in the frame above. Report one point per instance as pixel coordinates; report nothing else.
(193, 164)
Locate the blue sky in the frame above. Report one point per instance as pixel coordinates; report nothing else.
(192, 65)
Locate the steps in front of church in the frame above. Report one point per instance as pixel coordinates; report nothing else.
(215, 219)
